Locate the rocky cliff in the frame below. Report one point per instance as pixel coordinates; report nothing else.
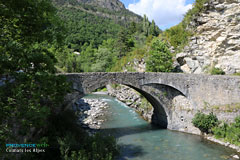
(216, 42)
(114, 5)
(112, 9)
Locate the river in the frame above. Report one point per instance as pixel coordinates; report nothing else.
(139, 140)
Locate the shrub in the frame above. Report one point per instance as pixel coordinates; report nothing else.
(197, 8)
(230, 133)
(233, 135)
(205, 122)
(177, 36)
(237, 122)
(160, 58)
(216, 71)
(220, 131)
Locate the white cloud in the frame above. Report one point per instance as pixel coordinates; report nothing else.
(165, 13)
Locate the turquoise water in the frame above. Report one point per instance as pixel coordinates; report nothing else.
(139, 140)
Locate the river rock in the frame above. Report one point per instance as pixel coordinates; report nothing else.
(132, 99)
(236, 157)
(90, 112)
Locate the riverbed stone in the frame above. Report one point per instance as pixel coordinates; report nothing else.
(90, 112)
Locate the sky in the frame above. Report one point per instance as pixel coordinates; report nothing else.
(165, 13)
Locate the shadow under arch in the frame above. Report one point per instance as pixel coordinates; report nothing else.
(159, 114)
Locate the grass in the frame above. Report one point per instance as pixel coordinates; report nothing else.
(236, 74)
(227, 108)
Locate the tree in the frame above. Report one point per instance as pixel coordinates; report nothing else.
(104, 60)
(146, 25)
(125, 42)
(26, 31)
(30, 90)
(132, 28)
(153, 29)
(160, 58)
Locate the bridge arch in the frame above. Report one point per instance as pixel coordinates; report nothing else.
(152, 91)
(194, 90)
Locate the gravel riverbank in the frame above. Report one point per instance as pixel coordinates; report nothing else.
(91, 112)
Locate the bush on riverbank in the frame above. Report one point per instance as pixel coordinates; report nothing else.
(221, 130)
(230, 133)
(205, 122)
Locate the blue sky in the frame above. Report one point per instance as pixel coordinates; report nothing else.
(127, 2)
(165, 13)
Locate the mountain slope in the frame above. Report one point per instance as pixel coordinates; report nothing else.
(113, 9)
(114, 5)
(93, 21)
(100, 34)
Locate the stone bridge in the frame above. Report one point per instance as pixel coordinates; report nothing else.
(175, 97)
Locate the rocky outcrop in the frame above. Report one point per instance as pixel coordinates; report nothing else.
(216, 42)
(133, 99)
(114, 5)
(112, 9)
(137, 65)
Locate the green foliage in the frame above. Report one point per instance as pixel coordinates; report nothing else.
(177, 36)
(125, 42)
(153, 30)
(127, 61)
(230, 133)
(97, 147)
(216, 71)
(145, 104)
(220, 131)
(205, 122)
(103, 60)
(102, 89)
(237, 74)
(99, 48)
(192, 13)
(160, 58)
(31, 95)
(237, 122)
(83, 28)
(149, 28)
(75, 143)
(27, 30)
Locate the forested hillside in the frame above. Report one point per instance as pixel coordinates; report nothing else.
(99, 34)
